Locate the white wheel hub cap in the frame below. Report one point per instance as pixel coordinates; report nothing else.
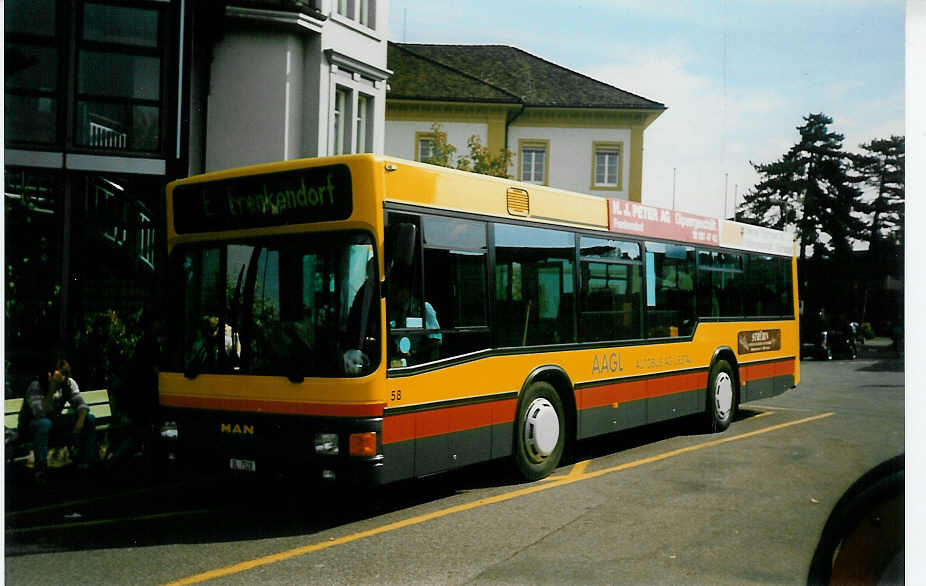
(541, 429)
(723, 394)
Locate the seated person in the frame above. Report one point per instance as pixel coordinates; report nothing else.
(42, 416)
(423, 347)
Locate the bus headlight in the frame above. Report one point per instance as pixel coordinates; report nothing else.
(326, 444)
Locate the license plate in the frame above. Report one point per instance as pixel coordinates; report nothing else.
(245, 465)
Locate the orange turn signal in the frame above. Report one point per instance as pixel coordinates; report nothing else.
(363, 444)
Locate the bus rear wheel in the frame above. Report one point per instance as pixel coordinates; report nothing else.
(721, 396)
(540, 432)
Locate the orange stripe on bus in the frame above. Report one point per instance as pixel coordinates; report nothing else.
(283, 407)
(635, 390)
(751, 372)
(408, 426)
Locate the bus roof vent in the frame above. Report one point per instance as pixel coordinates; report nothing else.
(518, 202)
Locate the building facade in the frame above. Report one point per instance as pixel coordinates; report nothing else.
(108, 100)
(564, 129)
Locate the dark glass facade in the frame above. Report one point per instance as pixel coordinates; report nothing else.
(87, 155)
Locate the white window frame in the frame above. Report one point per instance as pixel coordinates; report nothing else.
(362, 12)
(422, 139)
(355, 125)
(528, 151)
(367, 13)
(341, 101)
(353, 119)
(611, 151)
(364, 123)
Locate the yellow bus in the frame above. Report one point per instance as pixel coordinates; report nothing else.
(369, 319)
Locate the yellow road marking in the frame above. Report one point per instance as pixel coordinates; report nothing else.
(578, 469)
(686, 449)
(573, 476)
(763, 414)
(777, 408)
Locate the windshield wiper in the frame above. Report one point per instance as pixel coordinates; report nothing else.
(198, 358)
(215, 338)
(247, 313)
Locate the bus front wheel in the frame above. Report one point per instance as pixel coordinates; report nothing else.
(721, 396)
(540, 432)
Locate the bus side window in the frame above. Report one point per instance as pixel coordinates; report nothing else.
(534, 272)
(670, 304)
(455, 286)
(720, 284)
(611, 290)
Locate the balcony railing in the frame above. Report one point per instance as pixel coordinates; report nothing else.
(125, 222)
(105, 137)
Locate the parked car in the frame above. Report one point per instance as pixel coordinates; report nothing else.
(825, 338)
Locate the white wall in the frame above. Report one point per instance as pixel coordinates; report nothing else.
(570, 153)
(271, 89)
(400, 136)
(362, 43)
(252, 98)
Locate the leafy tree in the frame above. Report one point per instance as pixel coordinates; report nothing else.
(442, 152)
(809, 189)
(480, 159)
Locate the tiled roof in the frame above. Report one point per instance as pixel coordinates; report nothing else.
(498, 73)
(421, 78)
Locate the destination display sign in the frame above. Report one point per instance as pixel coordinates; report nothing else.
(317, 194)
(630, 217)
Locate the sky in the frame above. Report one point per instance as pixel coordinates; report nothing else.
(737, 76)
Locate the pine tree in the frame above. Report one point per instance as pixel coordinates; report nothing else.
(881, 167)
(809, 190)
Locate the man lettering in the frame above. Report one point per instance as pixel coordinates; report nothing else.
(301, 195)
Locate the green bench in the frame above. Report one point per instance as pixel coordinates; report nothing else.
(98, 401)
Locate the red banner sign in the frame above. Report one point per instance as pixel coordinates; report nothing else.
(630, 217)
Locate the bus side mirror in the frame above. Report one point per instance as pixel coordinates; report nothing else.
(405, 238)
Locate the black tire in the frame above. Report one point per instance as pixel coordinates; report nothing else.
(539, 432)
(722, 396)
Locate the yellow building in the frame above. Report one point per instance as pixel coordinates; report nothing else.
(564, 129)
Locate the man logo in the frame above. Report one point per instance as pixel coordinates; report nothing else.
(237, 429)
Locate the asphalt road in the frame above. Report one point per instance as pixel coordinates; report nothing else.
(666, 504)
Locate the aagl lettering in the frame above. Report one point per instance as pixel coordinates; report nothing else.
(607, 363)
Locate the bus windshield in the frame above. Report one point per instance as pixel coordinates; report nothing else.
(294, 306)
